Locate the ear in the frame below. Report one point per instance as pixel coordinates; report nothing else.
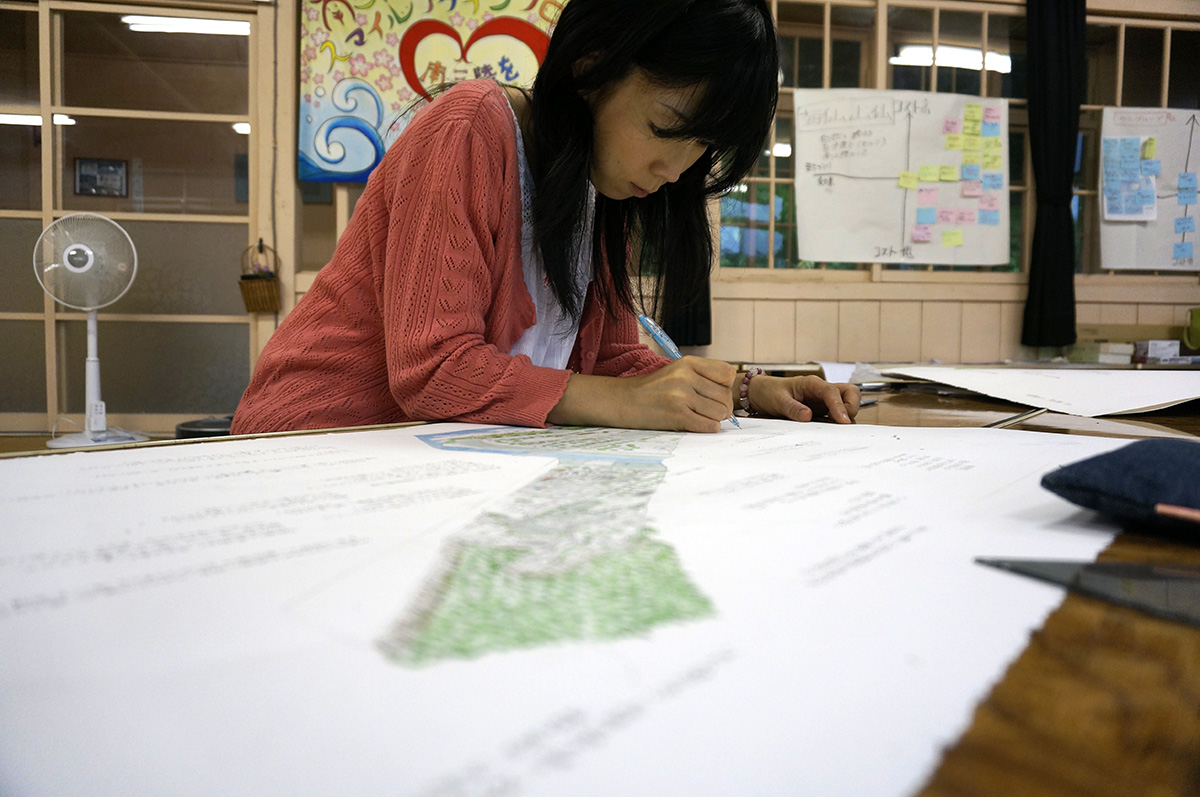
(584, 63)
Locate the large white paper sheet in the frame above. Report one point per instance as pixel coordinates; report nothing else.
(785, 608)
(1089, 392)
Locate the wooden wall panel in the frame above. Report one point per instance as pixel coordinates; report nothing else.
(980, 332)
(858, 332)
(900, 332)
(1012, 318)
(816, 331)
(1087, 313)
(941, 331)
(732, 330)
(1118, 314)
(774, 332)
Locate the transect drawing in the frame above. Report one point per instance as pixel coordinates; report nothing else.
(570, 556)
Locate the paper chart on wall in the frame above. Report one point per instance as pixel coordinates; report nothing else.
(756, 611)
(1148, 169)
(901, 177)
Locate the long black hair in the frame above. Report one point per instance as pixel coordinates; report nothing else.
(728, 48)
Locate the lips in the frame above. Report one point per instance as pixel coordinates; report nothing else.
(638, 191)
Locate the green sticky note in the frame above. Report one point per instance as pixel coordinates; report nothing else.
(971, 143)
(992, 144)
(973, 112)
(971, 158)
(1149, 148)
(973, 128)
(907, 180)
(954, 141)
(993, 160)
(948, 174)
(929, 174)
(952, 238)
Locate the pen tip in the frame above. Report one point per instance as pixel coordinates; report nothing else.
(735, 422)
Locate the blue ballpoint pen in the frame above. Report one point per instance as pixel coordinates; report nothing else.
(667, 345)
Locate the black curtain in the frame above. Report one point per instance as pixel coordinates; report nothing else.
(1057, 80)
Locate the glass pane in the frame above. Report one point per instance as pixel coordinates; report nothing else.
(959, 53)
(1101, 65)
(910, 32)
(783, 147)
(787, 60)
(20, 167)
(20, 292)
(19, 58)
(1142, 85)
(1006, 37)
(743, 227)
(1016, 156)
(809, 64)
(169, 167)
(785, 225)
(185, 268)
(1183, 91)
(23, 365)
(853, 33)
(106, 64)
(1016, 221)
(160, 367)
(1087, 155)
(802, 25)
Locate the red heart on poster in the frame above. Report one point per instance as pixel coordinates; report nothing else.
(514, 28)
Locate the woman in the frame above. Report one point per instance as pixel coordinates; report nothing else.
(485, 275)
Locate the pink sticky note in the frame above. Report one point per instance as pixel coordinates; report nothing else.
(972, 187)
(950, 125)
(921, 234)
(989, 201)
(946, 215)
(927, 197)
(991, 113)
(964, 216)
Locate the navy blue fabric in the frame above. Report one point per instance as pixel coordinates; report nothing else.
(1128, 482)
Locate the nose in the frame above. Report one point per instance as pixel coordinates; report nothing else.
(677, 159)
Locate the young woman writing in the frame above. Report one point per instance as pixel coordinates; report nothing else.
(486, 272)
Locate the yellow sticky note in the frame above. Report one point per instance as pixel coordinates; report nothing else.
(948, 174)
(992, 144)
(993, 160)
(1149, 147)
(973, 112)
(971, 158)
(907, 180)
(952, 238)
(971, 143)
(954, 141)
(972, 128)
(929, 174)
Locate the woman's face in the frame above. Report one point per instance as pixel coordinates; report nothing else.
(628, 158)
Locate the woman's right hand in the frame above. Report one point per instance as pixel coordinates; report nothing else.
(691, 394)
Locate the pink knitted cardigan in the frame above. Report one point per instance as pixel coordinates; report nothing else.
(415, 315)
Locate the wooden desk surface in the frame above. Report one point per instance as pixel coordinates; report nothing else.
(1104, 700)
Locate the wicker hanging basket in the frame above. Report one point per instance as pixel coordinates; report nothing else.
(259, 282)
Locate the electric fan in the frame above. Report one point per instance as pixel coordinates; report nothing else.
(86, 262)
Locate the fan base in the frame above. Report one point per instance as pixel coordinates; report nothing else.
(109, 437)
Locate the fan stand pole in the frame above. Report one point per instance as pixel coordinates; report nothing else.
(95, 418)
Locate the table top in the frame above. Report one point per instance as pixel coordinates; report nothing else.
(1104, 699)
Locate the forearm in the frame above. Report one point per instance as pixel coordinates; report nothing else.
(589, 401)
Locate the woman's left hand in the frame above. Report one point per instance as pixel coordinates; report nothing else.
(801, 398)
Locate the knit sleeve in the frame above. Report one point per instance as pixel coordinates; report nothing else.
(620, 353)
(442, 281)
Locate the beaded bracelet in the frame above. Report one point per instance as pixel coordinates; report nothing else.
(744, 393)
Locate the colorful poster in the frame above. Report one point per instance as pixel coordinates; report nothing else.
(363, 67)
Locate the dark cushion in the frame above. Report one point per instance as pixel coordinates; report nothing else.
(1129, 482)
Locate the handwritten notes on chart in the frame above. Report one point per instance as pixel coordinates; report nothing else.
(1148, 175)
(901, 177)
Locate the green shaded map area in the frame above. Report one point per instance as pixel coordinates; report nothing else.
(568, 557)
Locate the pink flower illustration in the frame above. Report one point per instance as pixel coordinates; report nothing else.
(360, 20)
(320, 36)
(382, 57)
(394, 69)
(310, 13)
(488, 16)
(472, 24)
(384, 82)
(358, 65)
(338, 76)
(318, 79)
(310, 53)
(456, 19)
(392, 40)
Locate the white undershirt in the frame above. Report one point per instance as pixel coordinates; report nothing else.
(549, 341)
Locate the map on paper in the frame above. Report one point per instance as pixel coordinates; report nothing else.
(570, 556)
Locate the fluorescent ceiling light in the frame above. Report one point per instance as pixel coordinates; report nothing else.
(218, 27)
(33, 119)
(242, 127)
(959, 57)
(781, 150)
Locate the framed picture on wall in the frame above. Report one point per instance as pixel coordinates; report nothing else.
(96, 177)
